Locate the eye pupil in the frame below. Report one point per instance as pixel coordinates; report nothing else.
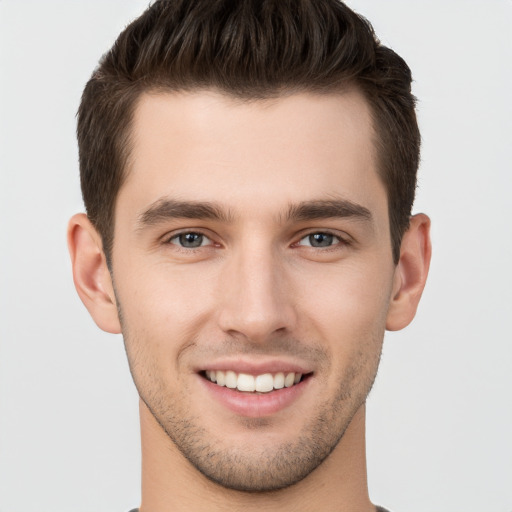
(191, 239)
(321, 239)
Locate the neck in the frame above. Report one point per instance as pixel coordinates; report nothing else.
(170, 482)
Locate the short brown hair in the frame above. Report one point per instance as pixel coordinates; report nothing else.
(249, 49)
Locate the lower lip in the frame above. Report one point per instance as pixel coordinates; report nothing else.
(254, 405)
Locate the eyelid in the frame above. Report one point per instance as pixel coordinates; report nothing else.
(341, 239)
(168, 237)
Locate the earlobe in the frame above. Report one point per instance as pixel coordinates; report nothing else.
(90, 273)
(410, 273)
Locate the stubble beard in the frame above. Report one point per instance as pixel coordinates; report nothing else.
(251, 468)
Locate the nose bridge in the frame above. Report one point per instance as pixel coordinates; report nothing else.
(256, 303)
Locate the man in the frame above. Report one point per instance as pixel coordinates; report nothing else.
(248, 170)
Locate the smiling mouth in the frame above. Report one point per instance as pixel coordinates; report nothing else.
(264, 383)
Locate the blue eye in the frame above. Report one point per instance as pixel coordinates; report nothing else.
(190, 240)
(319, 240)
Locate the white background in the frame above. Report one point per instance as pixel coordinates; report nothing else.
(440, 415)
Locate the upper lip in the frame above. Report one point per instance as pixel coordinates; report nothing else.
(255, 367)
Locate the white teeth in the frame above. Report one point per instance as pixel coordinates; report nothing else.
(245, 382)
(221, 378)
(230, 379)
(264, 383)
(278, 380)
(289, 380)
(261, 383)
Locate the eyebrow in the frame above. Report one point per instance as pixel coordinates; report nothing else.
(166, 208)
(325, 209)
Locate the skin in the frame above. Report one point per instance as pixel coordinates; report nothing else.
(255, 292)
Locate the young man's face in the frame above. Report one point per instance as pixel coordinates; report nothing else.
(253, 238)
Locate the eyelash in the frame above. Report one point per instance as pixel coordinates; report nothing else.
(169, 239)
(340, 241)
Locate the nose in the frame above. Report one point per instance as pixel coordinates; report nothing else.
(257, 298)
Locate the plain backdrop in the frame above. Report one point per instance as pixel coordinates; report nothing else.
(440, 415)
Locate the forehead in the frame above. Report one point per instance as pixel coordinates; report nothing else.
(207, 146)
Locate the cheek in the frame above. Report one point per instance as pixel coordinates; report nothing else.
(346, 310)
(159, 291)
(345, 296)
(162, 311)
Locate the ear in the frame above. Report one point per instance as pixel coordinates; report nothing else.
(90, 273)
(410, 273)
